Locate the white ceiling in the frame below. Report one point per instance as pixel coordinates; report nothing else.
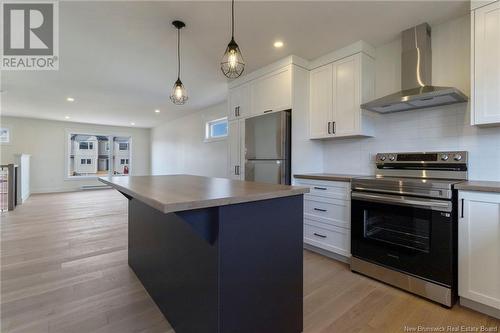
(118, 59)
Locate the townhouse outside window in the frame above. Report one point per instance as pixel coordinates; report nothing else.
(95, 155)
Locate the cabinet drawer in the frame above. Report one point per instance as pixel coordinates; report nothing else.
(334, 190)
(330, 238)
(330, 211)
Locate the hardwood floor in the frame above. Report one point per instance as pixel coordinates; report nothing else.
(64, 269)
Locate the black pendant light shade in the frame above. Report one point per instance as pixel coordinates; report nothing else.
(232, 64)
(179, 95)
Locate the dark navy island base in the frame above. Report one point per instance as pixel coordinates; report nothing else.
(226, 269)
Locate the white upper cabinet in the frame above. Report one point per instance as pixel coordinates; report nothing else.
(336, 92)
(272, 92)
(479, 248)
(321, 87)
(346, 97)
(485, 101)
(239, 102)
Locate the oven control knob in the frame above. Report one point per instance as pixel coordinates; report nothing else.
(392, 157)
(457, 157)
(444, 157)
(383, 158)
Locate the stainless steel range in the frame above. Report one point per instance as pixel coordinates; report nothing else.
(404, 222)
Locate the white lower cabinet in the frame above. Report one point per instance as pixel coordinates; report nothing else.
(236, 139)
(479, 248)
(327, 237)
(327, 215)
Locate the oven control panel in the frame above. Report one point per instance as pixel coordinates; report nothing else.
(442, 157)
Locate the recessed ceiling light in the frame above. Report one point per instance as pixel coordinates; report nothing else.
(132, 124)
(70, 99)
(66, 117)
(277, 44)
(157, 111)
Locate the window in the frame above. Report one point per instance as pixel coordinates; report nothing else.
(216, 129)
(95, 155)
(86, 145)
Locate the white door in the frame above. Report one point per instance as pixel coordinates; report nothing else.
(346, 98)
(320, 112)
(486, 75)
(272, 92)
(238, 102)
(479, 247)
(234, 150)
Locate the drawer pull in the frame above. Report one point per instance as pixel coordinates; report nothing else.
(320, 210)
(319, 235)
(320, 188)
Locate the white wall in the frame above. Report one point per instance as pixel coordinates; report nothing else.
(178, 146)
(46, 142)
(441, 128)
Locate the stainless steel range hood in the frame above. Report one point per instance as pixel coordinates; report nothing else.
(416, 77)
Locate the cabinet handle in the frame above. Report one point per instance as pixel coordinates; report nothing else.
(329, 127)
(319, 235)
(334, 130)
(237, 170)
(319, 188)
(267, 111)
(320, 210)
(462, 210)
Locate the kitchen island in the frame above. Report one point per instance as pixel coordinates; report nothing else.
(217, 255)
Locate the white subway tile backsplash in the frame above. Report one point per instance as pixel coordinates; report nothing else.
(442, 128)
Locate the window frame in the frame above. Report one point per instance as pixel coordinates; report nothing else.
(208, 129)
(9, 135)
(110, 153)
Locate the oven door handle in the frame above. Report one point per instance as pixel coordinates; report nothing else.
(438, 205)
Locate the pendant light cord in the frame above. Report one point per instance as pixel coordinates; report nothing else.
(232, 19)
(178, 53)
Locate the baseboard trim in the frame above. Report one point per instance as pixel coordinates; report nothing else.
(328, 254)
(486, 309)
(65, 190)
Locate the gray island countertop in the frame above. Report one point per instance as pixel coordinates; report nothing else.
(175, 193)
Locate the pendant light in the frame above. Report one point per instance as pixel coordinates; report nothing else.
(179, 95)
(232, 64)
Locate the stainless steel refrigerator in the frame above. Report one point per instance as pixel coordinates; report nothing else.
(268, 148)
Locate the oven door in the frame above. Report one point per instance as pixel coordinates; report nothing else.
(409, 234)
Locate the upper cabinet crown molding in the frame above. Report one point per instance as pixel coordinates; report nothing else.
(485, 66)
(358, 47)
(475, 4)
(290, 60)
